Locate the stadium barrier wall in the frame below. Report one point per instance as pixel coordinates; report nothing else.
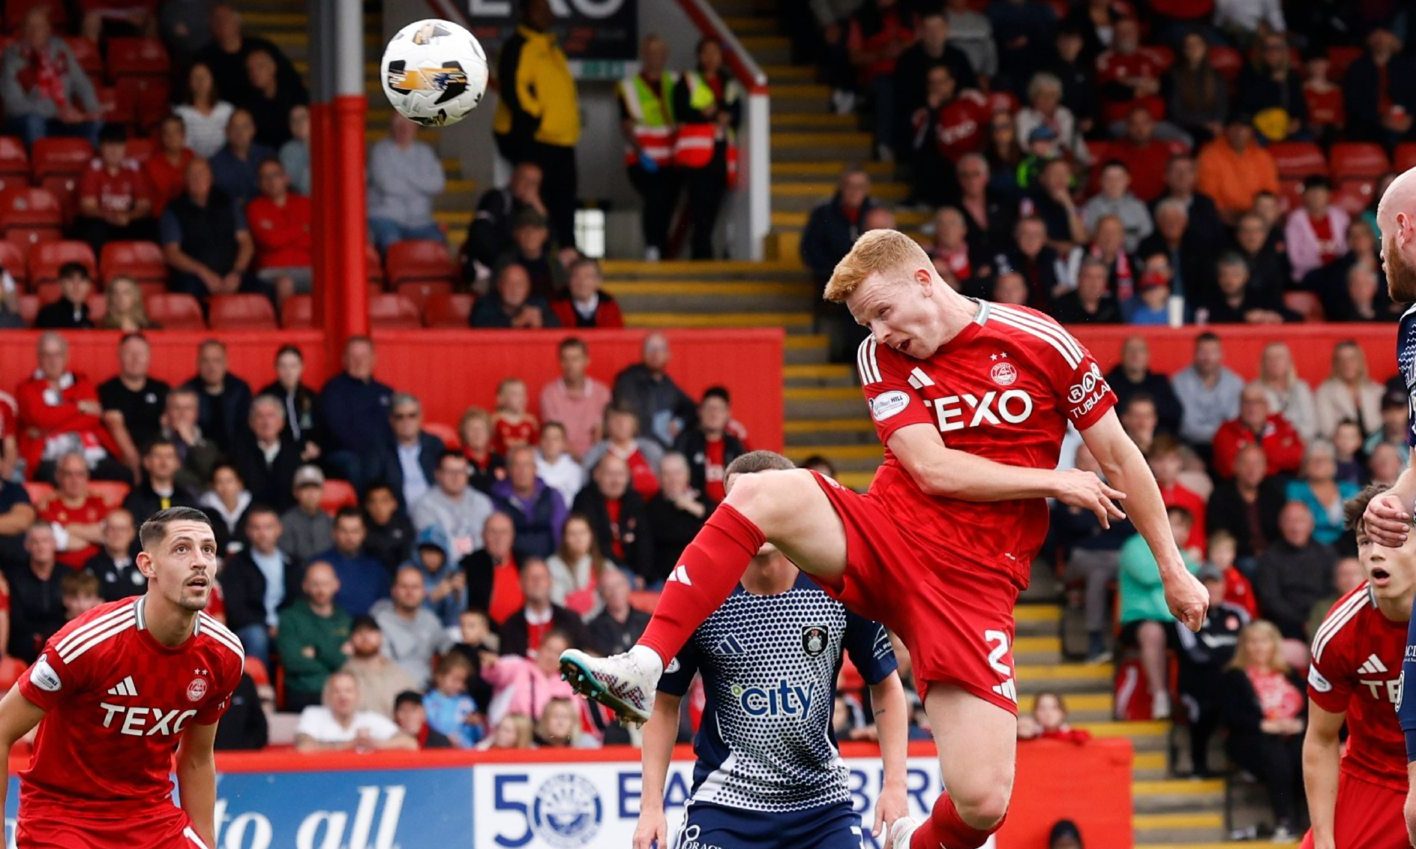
(590, 799)
(448, 370)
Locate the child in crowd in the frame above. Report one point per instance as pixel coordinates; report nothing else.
(513, 732)
(1049, 721)
(486, 464)
(555, 466)
(1347, 445)
(445, 581)
(513, 423)
(559, 727)
(476, 637)
(412, 717)
(1326, 114)
(1237, 589)
(79, 592)
(451, 711)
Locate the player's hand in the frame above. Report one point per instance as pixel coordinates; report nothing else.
(1410, 811)
(1077, 488)
(1387, 520)
(1187, 599)
(651, 829)
(890, 806)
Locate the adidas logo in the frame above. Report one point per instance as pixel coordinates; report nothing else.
(1373, 666)
(729, 645)
(680, 574)
(1007, 690)
(123, 688)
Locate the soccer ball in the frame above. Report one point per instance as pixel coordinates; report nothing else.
(434, 72)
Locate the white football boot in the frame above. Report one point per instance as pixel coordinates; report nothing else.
(900, 831)
(624, 683)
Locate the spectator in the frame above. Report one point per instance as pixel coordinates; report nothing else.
(1133, 376)
(1360, 298)
(165, 170)
(1394, 429)
(74, 511)
(115, 200)
(618, 515)
(1128, 76)
(521, 685)
(362, 579)
(1257, 424)
(123, 304)
(16, 515)
(577, 567)
(877, 34)
(1223, 554)
(560, 726)
(354, 409)
(269, 102)
(1248, 506)
(258, 582)
(1023, 32)
(950, 250)
(79, 593)
(945, 126)
(228, 50)
(312, 636)
(1233, 169)
(575, 399)
(37, 606)
(1287, 392)
(1264, 710)
(1199, 94)
(1347, 576)
(1271, 91)
(531, 249)
(1145, 616)
(380, 677)
(647, 124)
(513, 423)
(203, 112)
(585, 304)
(1316, 234)
(493, 575)
(622, 440)
(1327, 115)
(1045, 108)
(390, 532)
(412, 718)
(476, 637)
(835, 225)
(555, 466)
(1320, 491)
(1151, 303)
(58, 412)
(647, 389)
(1208, 392)
(1143, 155)
(536, 510)
(707, 104)
(1166, 459)
(409, 462)
(115, 567)
(709, 447)
(1089, 302)
(405, 177)
(295, 153)
(525, 630)
(224, 398)
(1093, 558)
(444, 585)
(1064, 835)
(1048, 721)
(264, 457)
(159, 489)
(235, 167)
(538, 119)
(1347, 447)
(412, 633)
(451, 710)
(1292, 574)
(280, 228)
(489, 232)
(306, 529)
(204, 238)
(1116, 200)
(1348, 393)
(913, 66)
(1203, 657)
(226, 501)
(337, 724)
(1241, 299)
(485, 465)
(454, 506)
(512, 305)
(1379, 92)
(70, 311)
(197, 452)
(1204, 222)
(972, 33)
(674, 515)
(1385, 464)
(1051, 201)
(45, 91)
(300, 402)
(618, 625)
(988, 212)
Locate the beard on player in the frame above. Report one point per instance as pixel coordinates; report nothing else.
(1401, 274)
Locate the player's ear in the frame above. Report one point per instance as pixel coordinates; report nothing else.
(924, 278)
(145, 565)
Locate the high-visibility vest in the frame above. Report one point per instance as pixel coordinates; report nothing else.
(652, 113)
(694, 145)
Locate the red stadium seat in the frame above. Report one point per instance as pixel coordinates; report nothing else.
(12, 259)
(65, 188)
(136, 57)
(1296, 160)
(1290, 194)
(420, 260)
(38, 492)
(389, 310)
(1340, 59)
(1405, 158)
(447, 433)
(260, 675)
(98, 307)
(29, 308)
(47, 258)
(175, 311)
(112, 109)
(1305, 304)
(447, 310)
(14, 161)
(15, 11)
(297, 311)
(48, 291)
(418, 291)
(29, 216)
(337, 494)
(1228, 61)
(141, 261)
(1354, 195)
(241, 312)
(1357, 159)
(87, 53)
(60, 155)
(112, 492)
(140, 149)
(145, 101)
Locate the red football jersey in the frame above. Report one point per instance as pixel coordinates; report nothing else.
(1003, 389)
(116, 703)
(1356, 670)
(113, 192)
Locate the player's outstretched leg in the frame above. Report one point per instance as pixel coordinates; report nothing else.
(786, 508)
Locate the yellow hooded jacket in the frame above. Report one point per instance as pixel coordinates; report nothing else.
(537, 96)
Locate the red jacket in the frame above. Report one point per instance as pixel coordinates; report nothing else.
(1281, 443)
(607, 313)
(45, 413)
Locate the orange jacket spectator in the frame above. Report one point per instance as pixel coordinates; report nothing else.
(1233, 170)
(1281, 443)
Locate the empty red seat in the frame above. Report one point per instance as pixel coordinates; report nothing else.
(143, 100)
(86, 52)
(1290, 194)
(447, 310)
(12, 259)
(112, 492)
(446, 432)
(29, 308)
(60, 155)
(48, 257)
(338, 493)
(1354, 194)
(241, 312)
(420, 259)
(1357, 159)
(297, 311)
(1405, 157)
(14, 161)
(175, 311)
(418, 291)
(136, 57)
(390, 310)
(142, 261)
(65, 188)
(111, 108)
(1228, 61)
(30, 215)
(1296, 160)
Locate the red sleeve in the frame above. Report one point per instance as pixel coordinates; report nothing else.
(1285, 450)
(1077, 380)
(609, 315)
(34, 411)
(564, 312)
(1328, 684)
(49, 680)
(1226, 448)
(894, 403)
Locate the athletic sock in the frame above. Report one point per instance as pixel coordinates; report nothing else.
(705, 576)
(945, 828)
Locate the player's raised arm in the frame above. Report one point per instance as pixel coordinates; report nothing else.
(658, 747)
(1322, 753)
(17, 716)
(196, 779)
(1388, 516)
(1126, 467)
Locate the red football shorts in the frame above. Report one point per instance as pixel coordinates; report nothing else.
(955, 617)
(134, 833)
(1368, 816)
